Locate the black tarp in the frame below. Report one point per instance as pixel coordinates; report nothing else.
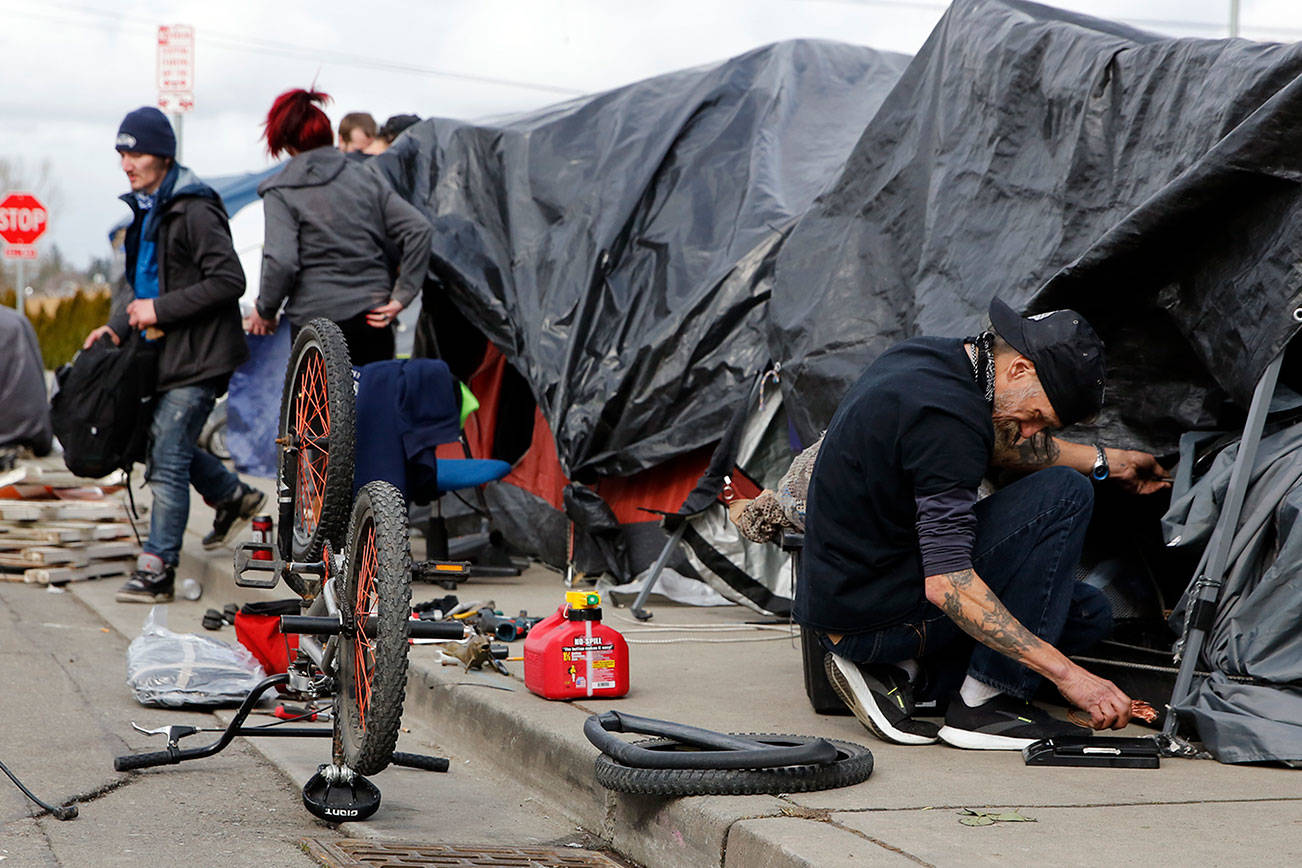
(1061, 161)
(613, 247)
(640, 254)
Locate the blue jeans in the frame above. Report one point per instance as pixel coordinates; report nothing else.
(176, 462)
(1028, 544)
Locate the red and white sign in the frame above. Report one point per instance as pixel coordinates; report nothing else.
(176, 68)
(23, 219)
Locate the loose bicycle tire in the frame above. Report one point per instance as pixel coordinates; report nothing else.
(372, 663)
(317, 411)
(854, 763)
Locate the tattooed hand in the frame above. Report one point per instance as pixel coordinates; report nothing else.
(1137, 472)
(1102, 700)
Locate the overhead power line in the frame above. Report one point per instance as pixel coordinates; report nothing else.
(102, 19)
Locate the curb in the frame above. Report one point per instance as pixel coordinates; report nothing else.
(545, 740)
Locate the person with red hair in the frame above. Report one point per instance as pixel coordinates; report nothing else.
(329, 222)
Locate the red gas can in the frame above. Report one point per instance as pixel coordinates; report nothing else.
(571, 654)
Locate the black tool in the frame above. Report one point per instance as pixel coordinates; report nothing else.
(1086, 750)
(504, 628)
(66, 812)
(212, 620)
(435, 610)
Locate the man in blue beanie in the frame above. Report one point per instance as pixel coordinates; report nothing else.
(181, 289)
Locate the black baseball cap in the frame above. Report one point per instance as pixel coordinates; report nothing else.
(1067, 353)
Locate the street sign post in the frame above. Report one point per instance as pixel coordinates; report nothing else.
(23, 219)
(176, 74)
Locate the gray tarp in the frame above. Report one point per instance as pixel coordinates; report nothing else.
(1257, 632)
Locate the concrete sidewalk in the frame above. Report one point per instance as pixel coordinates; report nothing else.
(718, 669)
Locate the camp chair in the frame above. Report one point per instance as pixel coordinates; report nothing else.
(1206, 591)
(406, 409)
(722, 473)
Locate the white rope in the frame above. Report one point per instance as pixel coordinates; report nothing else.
(702, 641)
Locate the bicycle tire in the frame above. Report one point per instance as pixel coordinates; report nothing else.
(317, 411)
(372, 669)
(854, 763)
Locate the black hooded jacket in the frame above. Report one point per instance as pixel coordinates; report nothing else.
(200, 282)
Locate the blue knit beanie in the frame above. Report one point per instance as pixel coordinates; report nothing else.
(146, 131)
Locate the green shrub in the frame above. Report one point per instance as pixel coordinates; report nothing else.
(62, 324)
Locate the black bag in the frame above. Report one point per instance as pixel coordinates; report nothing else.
(104, 406)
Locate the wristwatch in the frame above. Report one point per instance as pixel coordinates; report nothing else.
(1099, 471)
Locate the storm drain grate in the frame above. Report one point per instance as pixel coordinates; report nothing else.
(352, 853)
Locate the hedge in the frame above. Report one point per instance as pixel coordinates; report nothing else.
(62, 323)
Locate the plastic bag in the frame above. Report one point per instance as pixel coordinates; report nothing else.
(183, 670)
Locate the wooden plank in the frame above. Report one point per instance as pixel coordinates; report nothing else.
(31, 533)
(56, 510)
(56, 477)
(103, 551)
(96, 570)
(45, 556)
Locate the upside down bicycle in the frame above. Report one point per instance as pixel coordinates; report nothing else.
(349, 561)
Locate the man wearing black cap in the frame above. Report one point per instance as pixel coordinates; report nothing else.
(181, 289)
(902, 563)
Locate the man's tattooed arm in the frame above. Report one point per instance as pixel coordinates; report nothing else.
(1034, 453)
(970, 604)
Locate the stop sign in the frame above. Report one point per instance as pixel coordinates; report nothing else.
(22, 218)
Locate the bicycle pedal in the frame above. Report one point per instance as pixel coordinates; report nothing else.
(256, 565)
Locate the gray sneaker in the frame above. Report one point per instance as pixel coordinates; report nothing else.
(881, 698)
(233, 515)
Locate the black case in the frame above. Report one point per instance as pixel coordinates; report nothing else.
(1085, 750)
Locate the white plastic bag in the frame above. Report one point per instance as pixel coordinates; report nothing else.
(183, 670)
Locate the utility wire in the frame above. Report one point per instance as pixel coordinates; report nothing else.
(108, 20)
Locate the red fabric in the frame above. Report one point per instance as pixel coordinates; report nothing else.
(663, 487)
(261, 635)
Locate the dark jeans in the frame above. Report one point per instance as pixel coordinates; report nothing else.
(1028, 544)
(176, 462)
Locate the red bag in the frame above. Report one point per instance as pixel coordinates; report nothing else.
(257, 626)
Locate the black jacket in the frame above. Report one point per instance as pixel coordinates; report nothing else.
(200, 282)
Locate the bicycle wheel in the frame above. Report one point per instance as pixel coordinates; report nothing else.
(316, 437)
(853, 764)
(375, 597)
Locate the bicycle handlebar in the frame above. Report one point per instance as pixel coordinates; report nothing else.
(145, 760)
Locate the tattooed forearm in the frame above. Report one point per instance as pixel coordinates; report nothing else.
(1038, 451)
(973, 607)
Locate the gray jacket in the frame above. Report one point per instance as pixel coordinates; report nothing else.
(328, 221)
(25, 417)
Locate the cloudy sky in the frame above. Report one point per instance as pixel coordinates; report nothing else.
(72, 68)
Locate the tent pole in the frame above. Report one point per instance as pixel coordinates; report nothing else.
(638, 612)
(1207, 587)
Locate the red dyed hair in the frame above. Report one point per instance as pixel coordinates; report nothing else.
(295, 122)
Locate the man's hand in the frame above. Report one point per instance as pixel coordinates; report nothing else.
(254, 324)
(98, 333)
(382, 316)
(140, 313)
(1137, 472)
(970, 604)
(1102, 700)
